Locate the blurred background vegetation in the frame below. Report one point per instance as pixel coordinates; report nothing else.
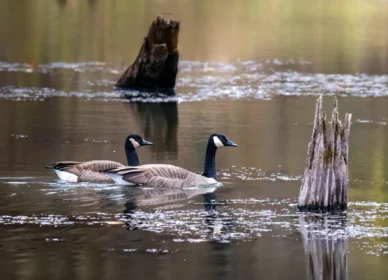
(346, 36)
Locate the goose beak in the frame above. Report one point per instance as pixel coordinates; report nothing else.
(145, 143)
(230, 144)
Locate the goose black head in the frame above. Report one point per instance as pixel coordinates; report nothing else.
(220, 140)
(134, 141)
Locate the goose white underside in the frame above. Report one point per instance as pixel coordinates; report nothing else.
(119, 179)
(212, 181)
(66, 176)
(206, 189)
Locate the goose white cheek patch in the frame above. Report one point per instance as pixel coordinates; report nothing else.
(134, 143)
(217, 142)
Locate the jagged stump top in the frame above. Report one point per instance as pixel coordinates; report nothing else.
(156, 66)
(325, 179)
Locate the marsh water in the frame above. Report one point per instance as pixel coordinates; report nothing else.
(249, 69)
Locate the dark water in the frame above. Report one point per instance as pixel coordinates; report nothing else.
(250, 70)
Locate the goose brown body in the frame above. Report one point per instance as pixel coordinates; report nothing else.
(161, 176)
(90, 171)
(93, 171)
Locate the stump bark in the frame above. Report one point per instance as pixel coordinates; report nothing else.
(156, 66)
(325, 248)
(325, 179)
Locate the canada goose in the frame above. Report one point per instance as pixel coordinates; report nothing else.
(170, 176)
(92, 171)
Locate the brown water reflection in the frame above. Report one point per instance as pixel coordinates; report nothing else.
(160, 122)
(337, 37)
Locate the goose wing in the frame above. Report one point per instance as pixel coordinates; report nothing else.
(89, 171)
(94, 177)
(97, 165)
(161, 176)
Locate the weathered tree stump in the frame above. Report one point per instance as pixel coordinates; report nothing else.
(156, 65)
(325, 179)
(325, 247)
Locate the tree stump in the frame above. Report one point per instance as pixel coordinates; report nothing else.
(325, 179)
(325, 248)
(156, 66)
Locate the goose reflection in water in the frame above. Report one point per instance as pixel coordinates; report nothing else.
(148, 197)
(154, 197)
(325, 244)
(217, 227)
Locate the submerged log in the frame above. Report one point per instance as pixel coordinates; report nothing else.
(325, 247)
(325, 179)
(156, 66)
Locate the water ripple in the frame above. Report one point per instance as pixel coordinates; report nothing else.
(235, 219)
(55, 66)
(255, 174)
(198, 81)
(199, 220)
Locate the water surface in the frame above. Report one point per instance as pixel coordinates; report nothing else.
(250, 70)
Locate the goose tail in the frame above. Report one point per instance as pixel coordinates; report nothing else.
(120, 170)
(50, 165)
(117, 175)
(110, 170)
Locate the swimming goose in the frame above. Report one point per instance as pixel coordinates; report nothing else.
(170, 176)
(92, 171)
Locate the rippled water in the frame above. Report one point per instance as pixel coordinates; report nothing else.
(58, 68)
(199, 81)
(192, 215)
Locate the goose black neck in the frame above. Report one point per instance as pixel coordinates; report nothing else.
(209, 169)
(132, 158)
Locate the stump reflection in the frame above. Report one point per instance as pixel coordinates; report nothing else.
(325, 245)
(160, 123)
